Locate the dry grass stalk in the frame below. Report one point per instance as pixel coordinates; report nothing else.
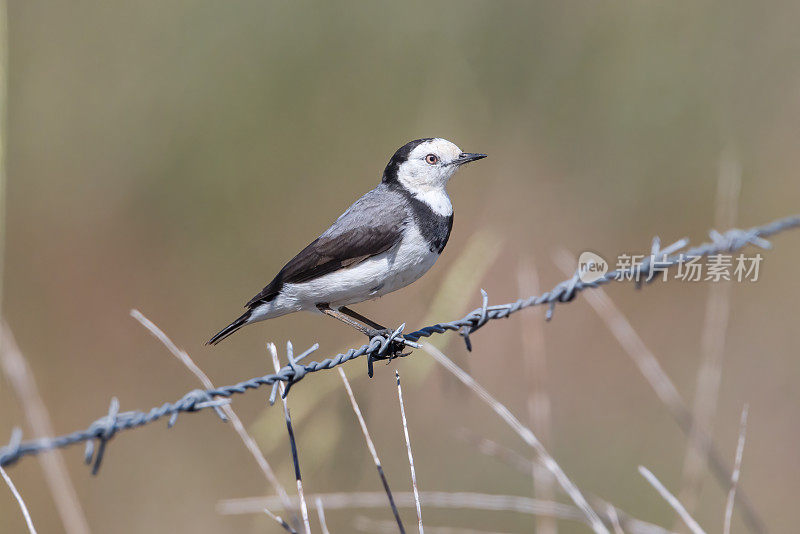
(278, 519)
(444, 500)
(15, 367)
(709, 374)
(371, 447)
(321, 513)
(671, 500)
(647, 363)
(287, 416)
(525, 433)
(405, 499)
(614, 519)
(410, 456)
(737, 467)
(246, 438)
(535, 369)
(17, 496)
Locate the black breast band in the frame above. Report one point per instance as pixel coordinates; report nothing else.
(435, 228)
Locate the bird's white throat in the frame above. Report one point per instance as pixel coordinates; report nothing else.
(435, 197)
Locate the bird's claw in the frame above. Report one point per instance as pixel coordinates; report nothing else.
(392, 349)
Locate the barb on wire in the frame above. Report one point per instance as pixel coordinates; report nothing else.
(466, 330)
(107, 427)
(104, 428)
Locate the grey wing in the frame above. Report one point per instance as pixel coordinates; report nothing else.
(372, 225)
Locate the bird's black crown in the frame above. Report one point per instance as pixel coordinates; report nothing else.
(390, 173)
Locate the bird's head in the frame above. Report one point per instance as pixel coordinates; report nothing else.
(426, 164)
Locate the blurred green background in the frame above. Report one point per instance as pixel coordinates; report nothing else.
(171, 156)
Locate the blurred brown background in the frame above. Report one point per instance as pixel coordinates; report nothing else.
(171, 156)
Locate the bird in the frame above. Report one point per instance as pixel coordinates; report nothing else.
(386, 240)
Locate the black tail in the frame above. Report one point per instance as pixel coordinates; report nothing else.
(230, 329)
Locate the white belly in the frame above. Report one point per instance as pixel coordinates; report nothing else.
(372, 278)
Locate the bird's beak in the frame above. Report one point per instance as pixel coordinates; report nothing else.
(466, 157)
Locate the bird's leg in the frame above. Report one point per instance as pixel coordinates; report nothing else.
(330, 312)
(358, 317)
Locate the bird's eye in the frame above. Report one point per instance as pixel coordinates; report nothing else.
(432, 159)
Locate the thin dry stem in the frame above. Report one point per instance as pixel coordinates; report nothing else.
(614, 519)
(405, 499)
(737, 467)
(408, 447)
(321, 513)
(17, 496)
(709, 374)
(15, 367)
(371, 447)
(671, 500)
(535, 372)
(525, 433)
(303, 505)
(282, 522)
(246, 438)
(442, 500)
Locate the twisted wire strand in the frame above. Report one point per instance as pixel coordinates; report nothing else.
(102, 430)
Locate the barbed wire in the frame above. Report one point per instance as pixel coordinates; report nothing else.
(101, 431)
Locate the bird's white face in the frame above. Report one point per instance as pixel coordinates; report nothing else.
(430, 165)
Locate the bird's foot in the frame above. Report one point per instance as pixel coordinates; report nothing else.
(396, 343)
(394, 348)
